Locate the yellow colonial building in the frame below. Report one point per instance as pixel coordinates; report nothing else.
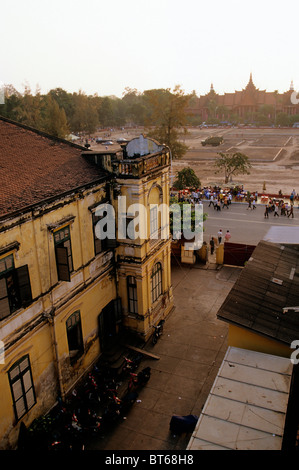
(65, 287)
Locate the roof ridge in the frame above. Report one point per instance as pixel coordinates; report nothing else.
(41, 133)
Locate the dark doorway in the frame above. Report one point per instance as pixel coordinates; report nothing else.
(109, 323)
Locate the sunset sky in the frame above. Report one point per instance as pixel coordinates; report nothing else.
(105, 46)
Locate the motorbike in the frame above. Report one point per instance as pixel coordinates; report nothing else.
(131, 364)
(117, 408)
(158, 331)
(139, 380)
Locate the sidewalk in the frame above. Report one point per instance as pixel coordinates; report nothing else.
(190, 353)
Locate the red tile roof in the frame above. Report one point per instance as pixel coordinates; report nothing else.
(35, 166)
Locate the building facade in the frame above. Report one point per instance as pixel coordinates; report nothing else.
(244, 104)
(65, 288)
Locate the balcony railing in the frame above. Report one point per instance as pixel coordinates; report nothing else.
(140, 166)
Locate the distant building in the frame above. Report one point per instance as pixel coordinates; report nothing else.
(244, 103)
(65, 292)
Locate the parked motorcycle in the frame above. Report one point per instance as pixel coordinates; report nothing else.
(117, 408)
(139, 380)
(158, 331)
(131, 364)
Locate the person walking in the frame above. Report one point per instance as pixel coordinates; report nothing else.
(266, 212)
(220, 234)
(276, 210)
(227, 236)
(212, 245)
(291, 212)
(211, 200)
(225, 202)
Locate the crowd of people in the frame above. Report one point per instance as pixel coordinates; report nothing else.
(218, 197)
(221, 198)
(279, 207)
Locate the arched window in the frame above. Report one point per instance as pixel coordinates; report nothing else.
(156, 281)
(132, 294)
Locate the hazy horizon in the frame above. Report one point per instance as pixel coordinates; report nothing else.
(104, 47)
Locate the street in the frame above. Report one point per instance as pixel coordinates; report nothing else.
(245, 225)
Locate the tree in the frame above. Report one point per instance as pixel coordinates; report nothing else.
(55, 121)
(168, 118)
(186, 178)
(31, 108)
(85, 117)
(282, 119)
(232, 164)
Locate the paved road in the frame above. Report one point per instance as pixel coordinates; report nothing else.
(245, 226)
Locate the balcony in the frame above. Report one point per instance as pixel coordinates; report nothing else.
(137, 167)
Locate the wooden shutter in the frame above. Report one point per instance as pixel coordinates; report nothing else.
(23, 283)
(63, 270)
(4, 302)
(117, 310)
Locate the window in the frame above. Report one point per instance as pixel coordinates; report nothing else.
(74, 336)
(154, 222)
(156, 281)
(98, 244)
(15, 288)
(63, 250)
(21, 384)
(132, 294)
(104, 243)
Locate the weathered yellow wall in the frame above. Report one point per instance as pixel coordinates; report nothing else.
(91, 288)
(38, 345)
(139, 256)
(241, 338)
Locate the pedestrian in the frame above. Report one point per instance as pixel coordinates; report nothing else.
(218, 205)
(253, 204)
(225, 202)
(266, 212)
(291, 212)
(276, 210)
(249, 204)
(227, 236)
(212, 245)
(211, 200)
(220, 236)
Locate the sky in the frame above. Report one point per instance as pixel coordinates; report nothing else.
(103, 47)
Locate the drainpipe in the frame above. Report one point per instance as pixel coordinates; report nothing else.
(51, 319)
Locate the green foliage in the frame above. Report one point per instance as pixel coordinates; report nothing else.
(214, 141)
(177, 214)
(55, 122)
(232, 164)
(168, 118)
(162, 110)
(186, 178)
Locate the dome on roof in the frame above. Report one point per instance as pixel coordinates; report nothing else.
(141, 146)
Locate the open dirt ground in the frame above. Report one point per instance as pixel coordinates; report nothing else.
(273, 154)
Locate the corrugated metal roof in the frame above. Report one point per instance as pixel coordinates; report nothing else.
(247, 405)
(268, 283)
(283, 234)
